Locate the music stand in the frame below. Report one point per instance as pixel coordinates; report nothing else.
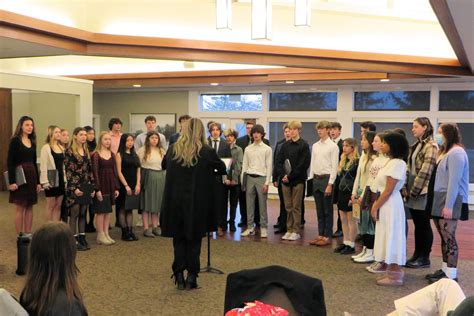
(209, 268)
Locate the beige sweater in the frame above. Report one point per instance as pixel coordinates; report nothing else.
(47, 163)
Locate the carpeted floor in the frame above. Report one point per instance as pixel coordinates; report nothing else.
(134, 278)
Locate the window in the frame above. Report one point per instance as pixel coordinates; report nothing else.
(456, 100)
(308, 132)
(231, 102)
(318, 101)
(467, 133)
(383, 126)
(392, 101)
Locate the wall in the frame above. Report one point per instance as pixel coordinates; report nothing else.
(121, 104)
(46, 109)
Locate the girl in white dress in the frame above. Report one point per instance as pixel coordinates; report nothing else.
(389, 212)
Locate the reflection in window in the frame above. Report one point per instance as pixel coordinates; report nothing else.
(231, 102)
(392, 101)
(383, 126)
(456, 100)
(318, 101)
(308, 132)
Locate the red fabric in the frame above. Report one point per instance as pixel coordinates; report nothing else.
(257, 308)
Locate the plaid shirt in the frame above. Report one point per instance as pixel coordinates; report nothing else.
(424, 163)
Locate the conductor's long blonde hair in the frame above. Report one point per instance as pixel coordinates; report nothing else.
(186, 149)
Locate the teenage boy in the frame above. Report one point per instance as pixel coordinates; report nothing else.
(367, 126)
(336, 137)
(324, 163)
(183, 120)
(281, 221)
(243, 142)
(257, 170)
(150, 124)
(293, 162)
(115, 125)
(222, 149)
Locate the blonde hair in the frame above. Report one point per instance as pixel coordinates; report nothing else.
(148, 145)
(50, 137)
(99, 143)
(294, 124)
(352, 157)
(75, 146)
(186, 149)
(323, 125)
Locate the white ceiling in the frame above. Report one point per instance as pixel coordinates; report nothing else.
(462, 12)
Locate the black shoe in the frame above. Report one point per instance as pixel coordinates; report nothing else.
(412, 258)
(347, 250)
(117, 224)
(439, 277)
(339, 248)
(241, 224)
(419, 263)
(257, 224)
(276, 226)
(132, 235)
(280, 231)
(79, 244)
(191, 281)
(436, 274)
(337, 233)
(126, 234)
(179, 280)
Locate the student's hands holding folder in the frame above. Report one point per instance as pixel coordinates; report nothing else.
(137, 190)
(38, 188)
(116, 193)
(99, 196)
(78, 192)
(13, 187)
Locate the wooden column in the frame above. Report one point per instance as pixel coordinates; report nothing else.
(5, 130)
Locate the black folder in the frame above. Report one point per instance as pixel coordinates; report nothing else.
(132, 202)
(103, 206)
(19, 177)
(86, 198)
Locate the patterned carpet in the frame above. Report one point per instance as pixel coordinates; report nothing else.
(134, 278)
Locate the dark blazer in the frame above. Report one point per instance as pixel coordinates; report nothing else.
(174, 138)
(335, 187)
(188, 208)
(245, 140)
(224, 149)
(340, 143)
(305, 293)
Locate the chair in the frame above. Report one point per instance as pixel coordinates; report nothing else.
(9, 306)
(299, 294)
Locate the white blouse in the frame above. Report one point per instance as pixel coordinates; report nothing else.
(153, 161)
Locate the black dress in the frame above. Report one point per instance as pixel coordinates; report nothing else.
(19, 154)
(60, 190)
(130, 164)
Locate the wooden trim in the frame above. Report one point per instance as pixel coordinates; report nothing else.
(328, 76)
(208, 73)
(5, 129)
(441, 9)
(96, 44)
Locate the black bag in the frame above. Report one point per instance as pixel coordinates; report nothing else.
(309, 187)
(464, 212)
(132, 202)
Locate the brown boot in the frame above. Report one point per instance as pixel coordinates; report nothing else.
(393, 278)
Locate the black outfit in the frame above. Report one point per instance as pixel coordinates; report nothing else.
(61, 306)
(305, 293)
(243, 142)
(91, 145)
(281, 221)
(130, 164)
(188, 211)
(220, 189)
(340, 143)
(59, 163)
(20, 155)
(299, 155)
(346, 178)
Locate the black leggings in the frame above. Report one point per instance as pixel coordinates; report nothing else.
(449, 247)
(77, 218)
(125, 218)
(368, 241)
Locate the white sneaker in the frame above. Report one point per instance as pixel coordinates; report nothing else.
(140, 221)
(359, 254)
(367, 257)
(294, 236)
(263, 233)
(247, 232)
(286, 236)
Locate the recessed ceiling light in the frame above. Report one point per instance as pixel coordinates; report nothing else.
(214, 84)
(385, 80)
(289, 81)
(137, 85)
